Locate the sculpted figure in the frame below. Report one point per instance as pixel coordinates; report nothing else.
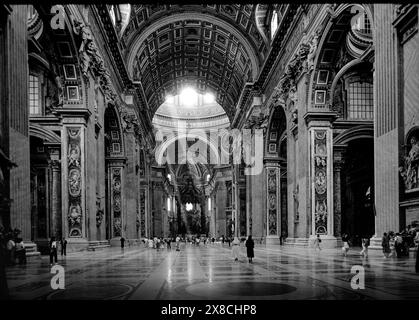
(410, 173)
(312, 52)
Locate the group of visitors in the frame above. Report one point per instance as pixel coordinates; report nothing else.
(250, 244)
(53, 249)
(162, 243)
(12, 247)
(399, 243)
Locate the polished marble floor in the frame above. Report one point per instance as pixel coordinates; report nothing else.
(210, 273)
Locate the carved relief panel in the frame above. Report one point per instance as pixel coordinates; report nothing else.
(273, 208)
(116, 201)
(321, 180)
(74, 182)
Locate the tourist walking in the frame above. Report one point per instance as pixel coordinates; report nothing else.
(392, 243)
(4, 290)
(317, 242)
(122, 242)
(385, 243)
(63, 246)
(345, 248)
(52, 250)
(236, 248)
(177, 243)
(250, 244)
(365, 245)
(11, 249)
(399, 245)
(20, 251)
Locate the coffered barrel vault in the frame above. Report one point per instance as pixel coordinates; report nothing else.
(193, 45)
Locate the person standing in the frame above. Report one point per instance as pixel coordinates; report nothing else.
(177, 243)
(236, 248)
(385, 243)
(250, 244)
(122, 242)
(20, 251)
(11, 249)
(4, 290)
(52, 250)
(63, 246)
(399, 245)
(392, 243)
(365, 244)
(317, 242)
(345, 248)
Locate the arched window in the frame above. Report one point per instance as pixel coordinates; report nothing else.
(34, 90)
(359, 94)
(360, 22)
(274, 24)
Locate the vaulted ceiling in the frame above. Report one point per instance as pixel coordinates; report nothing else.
(214, 48)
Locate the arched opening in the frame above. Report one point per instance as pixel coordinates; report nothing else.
(114, 166)
(276, 162)
(358, 190)
(189, 133)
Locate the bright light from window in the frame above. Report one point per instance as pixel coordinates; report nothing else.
(169, 200)
(208, 177)
(209, 98)
(188, 97)
(189, 206)
(209, 204)
(170, 99)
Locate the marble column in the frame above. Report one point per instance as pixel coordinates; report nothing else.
(321, 177)
(73, 178)
(258, 206)
(56, 217)
(338, 162)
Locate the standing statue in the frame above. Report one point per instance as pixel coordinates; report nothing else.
(410, 170)
(312, 52)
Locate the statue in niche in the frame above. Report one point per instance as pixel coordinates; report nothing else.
(410, 170)
(337, 99)
(312, 52)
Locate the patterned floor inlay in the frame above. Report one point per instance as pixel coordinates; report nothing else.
(210, 272)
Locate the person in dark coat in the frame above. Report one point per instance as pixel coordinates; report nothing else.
(385, 243)
(250, 244)
(53, 250)
(417, 260)
(122, 242)
(4, 290)
(63, 246)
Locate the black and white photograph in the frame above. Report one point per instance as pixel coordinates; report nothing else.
(226, 155)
